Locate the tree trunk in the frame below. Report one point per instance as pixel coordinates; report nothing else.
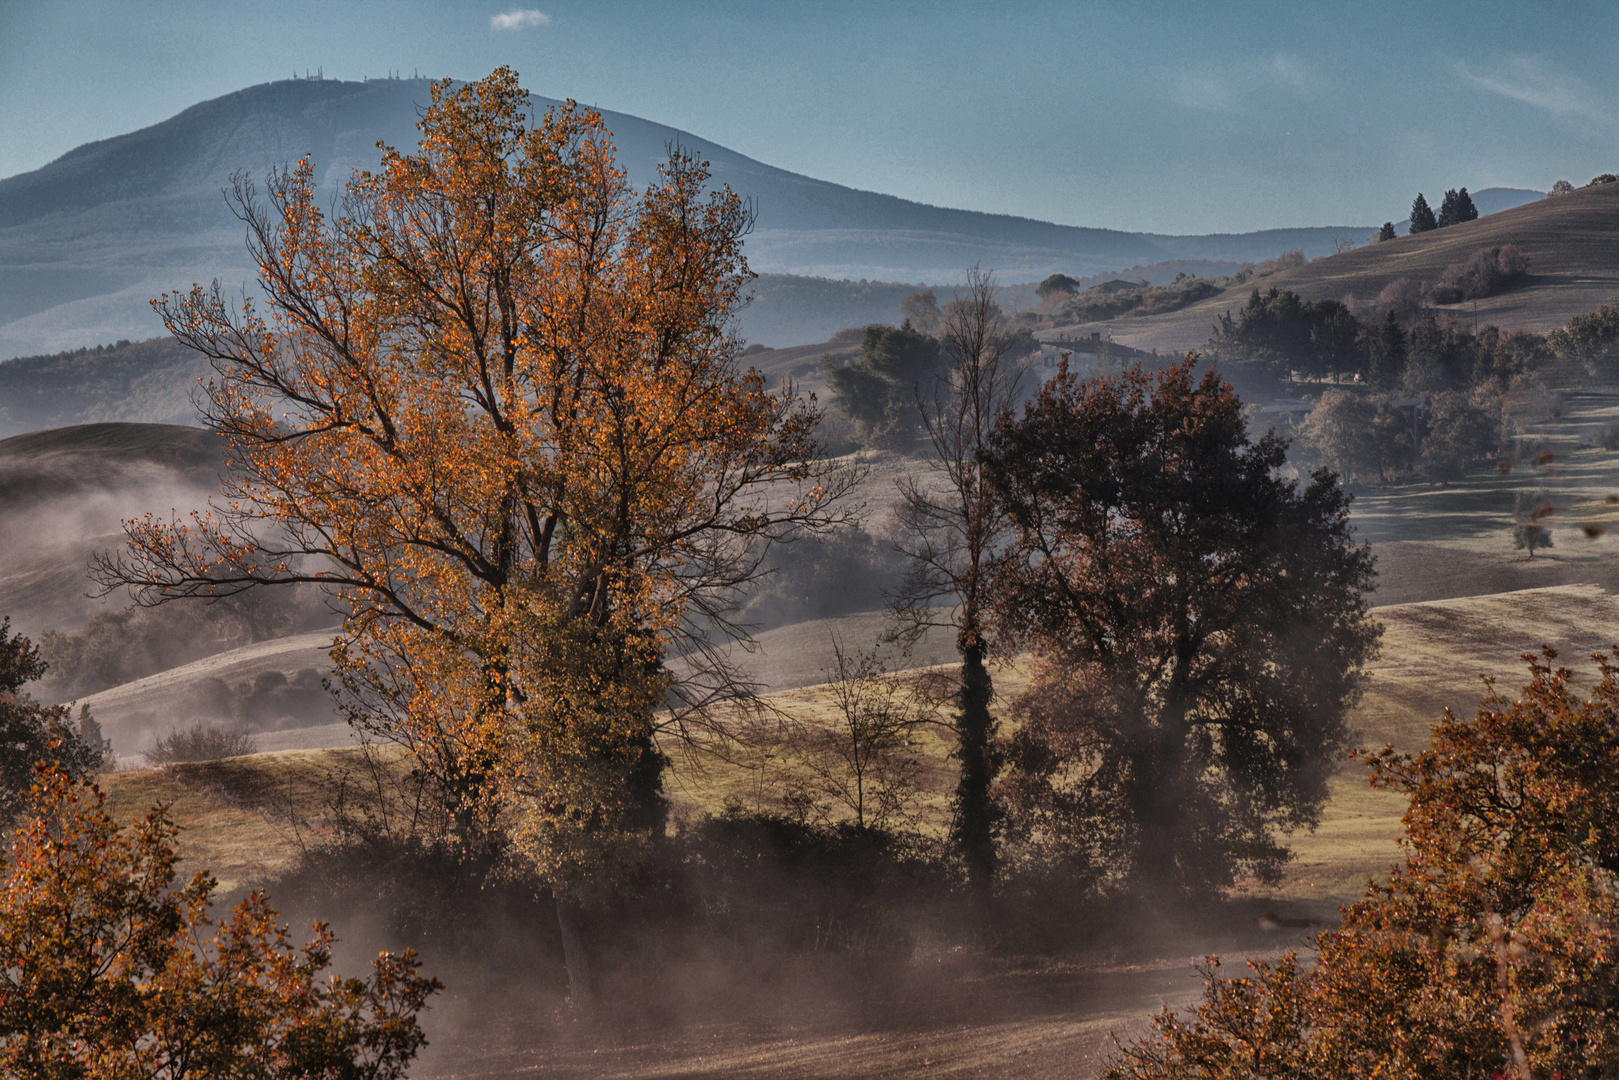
(581, 985)
(973, 828)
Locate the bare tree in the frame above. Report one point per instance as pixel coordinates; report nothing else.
(862, 762)
(950, 530)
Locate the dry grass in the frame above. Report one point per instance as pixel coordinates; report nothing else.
(241, 819)
(1481, 606)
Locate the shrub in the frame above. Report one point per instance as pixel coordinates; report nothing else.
(822, 577)
(109, 968)
(199, 742)
(1096, 304)
(1403, 296)
(1489, 951)
(1588, 337)
(1486, 272)
(1602, 178)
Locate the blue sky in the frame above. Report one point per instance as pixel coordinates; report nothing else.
(1161, 117)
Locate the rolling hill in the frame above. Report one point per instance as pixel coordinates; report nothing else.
(1572, 243)
(86, 240)
(62, 495)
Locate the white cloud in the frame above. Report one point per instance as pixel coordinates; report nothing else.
(1232, 86)
(521, 19)
(1526, 79)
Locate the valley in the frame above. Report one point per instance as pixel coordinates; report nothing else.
(627, 473)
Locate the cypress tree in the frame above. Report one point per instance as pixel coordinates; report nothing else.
(1388, 351)
(1422, 219)
(1447, 210)
(1465, 210)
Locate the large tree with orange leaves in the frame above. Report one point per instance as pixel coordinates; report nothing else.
(497, 410)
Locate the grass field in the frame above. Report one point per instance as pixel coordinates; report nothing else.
(236, 813)
(1456, 601)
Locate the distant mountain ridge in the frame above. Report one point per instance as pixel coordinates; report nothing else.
(86, 240)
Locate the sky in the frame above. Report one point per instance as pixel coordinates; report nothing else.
(1183, 117)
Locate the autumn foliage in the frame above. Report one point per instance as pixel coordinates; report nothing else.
(110, 967)
(1198, 623)
(497, 410)
(1490, 951)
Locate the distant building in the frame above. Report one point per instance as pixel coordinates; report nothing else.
(1117, 285)
(1088, 356)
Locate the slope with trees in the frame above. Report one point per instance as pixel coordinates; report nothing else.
(1569, 243)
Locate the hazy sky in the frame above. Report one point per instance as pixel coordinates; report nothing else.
(1162, 117)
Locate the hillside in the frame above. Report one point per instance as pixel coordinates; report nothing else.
(62, 495)
(144, 381)
(1572, 243)
(86, 240)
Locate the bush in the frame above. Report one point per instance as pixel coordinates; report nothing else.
(199, 742)
(108, 968)
(1602, 178)
(1403, 296)
(783, 885)
(838, 573)
(1486, 272)
(1589, 337)
(1489, 952)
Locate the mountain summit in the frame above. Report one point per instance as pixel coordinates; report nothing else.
(86, 240)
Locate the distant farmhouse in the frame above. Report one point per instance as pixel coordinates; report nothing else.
(1117, 285)
(1090, 355)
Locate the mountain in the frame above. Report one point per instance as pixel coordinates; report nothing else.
(1572, 243)
(86, 240)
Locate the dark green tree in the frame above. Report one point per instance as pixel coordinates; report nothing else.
(1422, 218)
(878, 392)
(31, 733)
(1388, 354)
(1279, 330)
(1386, 232)
(1456, 208)
(1056, 283)
(1198, 621)
(952, 531)
(1335, 339)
